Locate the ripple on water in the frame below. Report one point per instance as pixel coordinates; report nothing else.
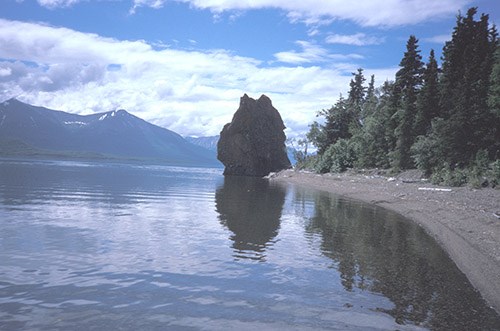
(94, 246)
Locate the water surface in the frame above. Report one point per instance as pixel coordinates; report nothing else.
(88, 246)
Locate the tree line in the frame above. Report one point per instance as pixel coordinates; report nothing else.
(443, 120)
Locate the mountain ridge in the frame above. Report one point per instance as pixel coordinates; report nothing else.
(111, 134)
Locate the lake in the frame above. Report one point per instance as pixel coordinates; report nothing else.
(94, 246)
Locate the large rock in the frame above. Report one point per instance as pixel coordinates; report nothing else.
(253, 144)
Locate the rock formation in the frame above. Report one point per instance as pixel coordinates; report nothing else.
(253, 144)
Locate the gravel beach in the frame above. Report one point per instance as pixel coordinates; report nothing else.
(464, 221)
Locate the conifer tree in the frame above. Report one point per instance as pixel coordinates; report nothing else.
(370, 91)
(407, 85)
(355, 101)
(370, 103)
(494, 102)
(357, 91)
(467, 64)
(376, 140)
(494, 93)
(428, 100)
(338, 120)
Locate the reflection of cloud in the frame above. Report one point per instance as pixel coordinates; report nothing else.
(251, 209)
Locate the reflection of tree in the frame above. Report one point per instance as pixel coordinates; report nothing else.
(375, 249)
(251, 208)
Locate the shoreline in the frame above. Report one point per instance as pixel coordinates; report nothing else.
(462, 220)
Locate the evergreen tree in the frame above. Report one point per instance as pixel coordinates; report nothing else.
(494, 102)
(428, 100)
(338, 121)
(494, 93)
(356, 101)
(407, 84)
(371, 100)
(370, 92)
(316, 135)
(467, 66)
(376, 140)
(357, 91)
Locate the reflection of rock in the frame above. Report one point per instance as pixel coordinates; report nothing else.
(251, 209)
(253, 144)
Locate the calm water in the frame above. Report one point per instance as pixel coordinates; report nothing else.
(86, 246)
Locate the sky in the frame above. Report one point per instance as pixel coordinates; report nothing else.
(184, 64)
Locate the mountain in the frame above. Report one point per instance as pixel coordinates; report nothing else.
(209, 143)
(114, 134)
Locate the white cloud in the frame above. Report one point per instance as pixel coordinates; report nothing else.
(439, 39)
(57, 3)
(156, 4)
(358, 39)
(4, 72)
(311, 53)
(317, 12)
(363, 12)
(190, 92)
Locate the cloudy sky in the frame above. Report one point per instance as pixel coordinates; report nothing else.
(184, 64)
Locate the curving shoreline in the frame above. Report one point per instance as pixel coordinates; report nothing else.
(461, 219)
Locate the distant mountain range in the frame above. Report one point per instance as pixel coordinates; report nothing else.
(209, 143)
(38, 131)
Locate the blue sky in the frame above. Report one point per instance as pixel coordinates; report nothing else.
(184, 64)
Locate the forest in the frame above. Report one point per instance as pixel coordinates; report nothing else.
(442, 119)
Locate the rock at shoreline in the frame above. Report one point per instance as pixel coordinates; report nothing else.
(253, 144)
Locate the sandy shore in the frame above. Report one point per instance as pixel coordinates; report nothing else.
(461, 219)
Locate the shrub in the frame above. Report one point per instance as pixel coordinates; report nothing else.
(479, 170)
(337, 157)
(422, 153)
(445, 175)
(310, 162)
(495, 174)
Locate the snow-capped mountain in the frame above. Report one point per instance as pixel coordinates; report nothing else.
(110, 134)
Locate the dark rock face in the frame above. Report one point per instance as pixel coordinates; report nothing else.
(253, 144)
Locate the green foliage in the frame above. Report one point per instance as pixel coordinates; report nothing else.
(428, 151)
(447, 176)
(407, 85)
(481, 173)
(445, 122)
(338, 124)
(371, 145)
(310, 162)
(494, 101)
(428, 98)
(495, 173)
(337, 158)
(478, 171)
(316, 135)
(467, 65)
(357, 92)
(494, 92)
(423, 155)
(370, 103)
